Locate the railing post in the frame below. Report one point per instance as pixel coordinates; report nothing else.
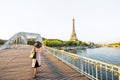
(85, 66)
(106, 72)
(96, 72)
(88, 67)
(101, 71)
(92, 70)
(82, 67)
(119, 73)
(112, 72)
(62, 53)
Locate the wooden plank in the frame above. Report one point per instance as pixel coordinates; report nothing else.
(15, 65)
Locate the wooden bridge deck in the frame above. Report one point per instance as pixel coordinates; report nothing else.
(16, 65)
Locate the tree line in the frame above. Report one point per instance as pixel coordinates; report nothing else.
(52, 42)
(59, 43)
(2, 41)
(118, 43)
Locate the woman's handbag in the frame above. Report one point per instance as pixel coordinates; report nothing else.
(33, 55)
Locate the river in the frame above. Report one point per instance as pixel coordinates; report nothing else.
(105, 54)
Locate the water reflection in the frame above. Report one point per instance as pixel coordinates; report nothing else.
(105, 54)
(81, 52)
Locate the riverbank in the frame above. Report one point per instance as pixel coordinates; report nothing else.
(75, 47)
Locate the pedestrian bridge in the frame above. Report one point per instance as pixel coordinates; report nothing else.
(15, 64)
(57, 64)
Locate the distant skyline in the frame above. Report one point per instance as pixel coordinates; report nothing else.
(95, 20)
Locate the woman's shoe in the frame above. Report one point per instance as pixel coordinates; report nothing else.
(34, 77)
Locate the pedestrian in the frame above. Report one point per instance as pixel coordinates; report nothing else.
(36, 62)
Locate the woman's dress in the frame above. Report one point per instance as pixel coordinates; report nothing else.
(37, 62)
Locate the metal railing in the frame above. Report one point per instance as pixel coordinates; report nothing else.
(93, 69)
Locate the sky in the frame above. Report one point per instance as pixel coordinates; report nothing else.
(95, 20)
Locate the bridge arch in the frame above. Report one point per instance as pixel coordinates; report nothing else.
(21, 38)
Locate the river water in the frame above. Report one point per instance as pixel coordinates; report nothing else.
(105, 54)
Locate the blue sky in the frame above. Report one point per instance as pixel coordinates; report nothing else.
(95, 20)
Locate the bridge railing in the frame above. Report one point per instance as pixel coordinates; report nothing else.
(93, 69)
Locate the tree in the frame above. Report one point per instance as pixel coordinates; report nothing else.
(2, 41)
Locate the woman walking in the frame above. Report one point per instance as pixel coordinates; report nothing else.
(36, 62)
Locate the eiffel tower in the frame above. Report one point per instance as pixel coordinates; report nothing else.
(73, 35)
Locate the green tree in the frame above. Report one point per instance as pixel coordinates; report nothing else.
(2, 41)
(58, 43)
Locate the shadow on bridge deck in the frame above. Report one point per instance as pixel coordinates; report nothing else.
(16, 65)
